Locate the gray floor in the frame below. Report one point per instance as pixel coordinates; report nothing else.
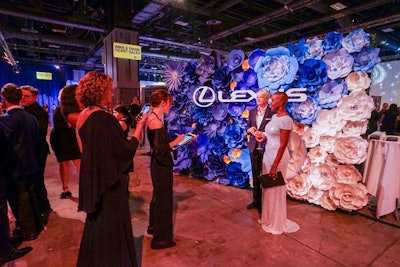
(213, 228)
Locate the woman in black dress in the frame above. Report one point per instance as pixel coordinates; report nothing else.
(107, 238)
(160, 221)
(121, 113)
(63, 136)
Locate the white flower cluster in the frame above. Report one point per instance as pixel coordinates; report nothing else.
(328, 177)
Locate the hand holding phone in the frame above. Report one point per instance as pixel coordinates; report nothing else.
(145, 109)
(186, 139)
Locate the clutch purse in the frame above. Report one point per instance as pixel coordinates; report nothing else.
(267, 181)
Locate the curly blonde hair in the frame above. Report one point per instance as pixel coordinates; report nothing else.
(93, 88)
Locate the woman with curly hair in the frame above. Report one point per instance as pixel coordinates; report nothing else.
(107, 238)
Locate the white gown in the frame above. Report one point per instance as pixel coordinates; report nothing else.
(274, 216)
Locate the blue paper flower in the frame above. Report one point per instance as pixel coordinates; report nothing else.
(190, 71)
(235, 175)
(312, 72)
(234, 135)
(250, 78)
(222, 77)
(305, 112)
(298, 50)
(330, 93)
(315, 49)
(218, 146)
(276, 69)
(366, 59)
(215, 168)
(219, 111)
(254, 56)
(173, 75)
(235, 59)
(355, 41)
(332, 42)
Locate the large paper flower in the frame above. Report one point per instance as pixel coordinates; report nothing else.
(328, 123)
(315, 49)
(234, 135)
(331, 92)
(305, 112)
(215, 168)
(332, 42)
(327, 143)
(326, 202)
(314, 195)
(349, 197)
(235, 175)
(311, 137)
(322, 176)
(276, 69)
(355, 41)
(355, 128)
(298, 50)
(357, 106)
(235, 59)
(366, 59)
(339, 63)
(298, 186)
(218, 146)
(317, 155)
(254, 56)
(357, 81)
(173, 75)
(350, 150)
(312, 72)
(222, 77)
(348, 174)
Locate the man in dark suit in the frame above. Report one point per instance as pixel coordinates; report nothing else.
(22, 130)
(7, 157)
(258, 118)
(30, 104)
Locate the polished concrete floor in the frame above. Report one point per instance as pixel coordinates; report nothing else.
(212, 227)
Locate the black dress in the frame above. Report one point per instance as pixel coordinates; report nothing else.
(107, 238)
(63, 139)
(162, 178)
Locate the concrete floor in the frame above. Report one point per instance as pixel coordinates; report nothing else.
(212, 227)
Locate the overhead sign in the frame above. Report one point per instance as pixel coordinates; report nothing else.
(44, 75)
(127, 51)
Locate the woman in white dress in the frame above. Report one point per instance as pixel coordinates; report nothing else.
(276, 157)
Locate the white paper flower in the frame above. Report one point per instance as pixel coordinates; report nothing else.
(358, 81)
(315, 49)
(317, 155)
(355, 128)
(331, 160)
(300, 128)
(311, 137)
(348, 174)
(322, 176)
(355, 41)
(327, 143)
(349, 197)
(314, 195)
(326, 202)
(298, 155)
(357, 106)
(328, 123)
(298, 186)
(350, 150)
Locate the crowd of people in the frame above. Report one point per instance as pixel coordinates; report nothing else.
(82, 122)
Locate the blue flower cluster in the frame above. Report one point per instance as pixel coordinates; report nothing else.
(220, 153)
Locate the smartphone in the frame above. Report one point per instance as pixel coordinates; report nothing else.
(145, 109)
(188, 137)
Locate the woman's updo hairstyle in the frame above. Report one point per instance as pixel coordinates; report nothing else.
(158, 96)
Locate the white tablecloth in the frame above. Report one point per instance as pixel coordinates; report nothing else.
(382, 174)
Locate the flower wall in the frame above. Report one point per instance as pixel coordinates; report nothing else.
(326, 141)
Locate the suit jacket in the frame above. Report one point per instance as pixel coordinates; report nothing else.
(43, 118)
(252, 122)
(22, 129)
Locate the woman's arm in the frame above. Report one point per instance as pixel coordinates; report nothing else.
(284, 139)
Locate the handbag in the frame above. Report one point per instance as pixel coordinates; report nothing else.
(267, 181)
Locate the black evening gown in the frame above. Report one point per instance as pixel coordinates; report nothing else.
(161, 175)
(107, 238)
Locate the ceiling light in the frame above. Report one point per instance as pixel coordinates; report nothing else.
(338, 6)
(386, 30)
(54, 46)
(29, 30)
(213, 22)
(59, 30)
(248, 38)
(155, 48)
(181, 23)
